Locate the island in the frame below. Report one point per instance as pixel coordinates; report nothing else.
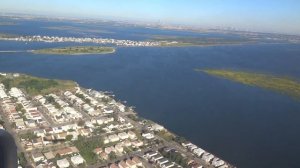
(76, 50)
(57, 123)
(181, 41)
(282, 84)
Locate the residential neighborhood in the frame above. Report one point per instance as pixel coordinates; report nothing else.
(52, 39)
(88, 128)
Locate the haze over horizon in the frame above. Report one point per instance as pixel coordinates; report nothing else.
(274, 16)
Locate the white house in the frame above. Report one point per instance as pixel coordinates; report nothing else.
(148, 135)
(123, 135)
(198, 152)
(77, 160)
(113, 138)
(38, 157)
(63, 163)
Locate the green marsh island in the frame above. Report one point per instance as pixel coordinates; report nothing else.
(281, 84)
(76, 50)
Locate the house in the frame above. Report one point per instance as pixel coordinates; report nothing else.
(42, 165)
(49, 155)
(137, 161)
(106, 140)
(207, 157)
(130, 163)
(99, 121)
(193, 164)
(131, 135)
(119, 148)
(148, 135)
(45, 142)
(39, 133)
(49, 138)
(123, 164)
(63, 163)
(151, 154)
(103, 156)
(38, 157)
(217, 162)
(49, 130)
(98, 151)
(107, 110)
(65, 151)
(157, 127)
(156, 157)
(110, 149)
(123, 135)
(77, 160)
(89, 124)
(30, 123)
(186, 144)
(126, 143)
(162, 161)
(121, 119)
(167, 165)
(37, 142)
(113, 138)
(85, 132)
(61, 136)
(224, 166)
(198, 152)
(113, 166)
(192, 147)
(137, 143)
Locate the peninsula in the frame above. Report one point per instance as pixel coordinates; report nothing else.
(281, 84)
(76, 50)
(57, 123)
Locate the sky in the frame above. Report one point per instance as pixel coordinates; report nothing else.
(279, 16)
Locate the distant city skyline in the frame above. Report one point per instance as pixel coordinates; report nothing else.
(275, 16)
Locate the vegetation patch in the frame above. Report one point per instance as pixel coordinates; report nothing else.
(34, 85)
(76, 50)
(86, 147)
(281, 84)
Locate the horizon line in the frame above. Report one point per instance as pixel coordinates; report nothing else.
(154, 24)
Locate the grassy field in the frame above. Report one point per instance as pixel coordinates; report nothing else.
(281, 84)
(76, 50)
(34, 85)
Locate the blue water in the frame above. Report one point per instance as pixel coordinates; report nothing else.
(247, 126)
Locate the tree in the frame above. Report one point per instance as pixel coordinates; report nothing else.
(69, 137)
(50, 99)
(81, 123)
(22, 159)
(112, 155)
(28, 135)
(19, 107)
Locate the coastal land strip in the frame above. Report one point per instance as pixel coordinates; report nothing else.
(76, 50)
(282, 84)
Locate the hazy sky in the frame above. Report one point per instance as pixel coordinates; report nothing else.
(258, 15)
